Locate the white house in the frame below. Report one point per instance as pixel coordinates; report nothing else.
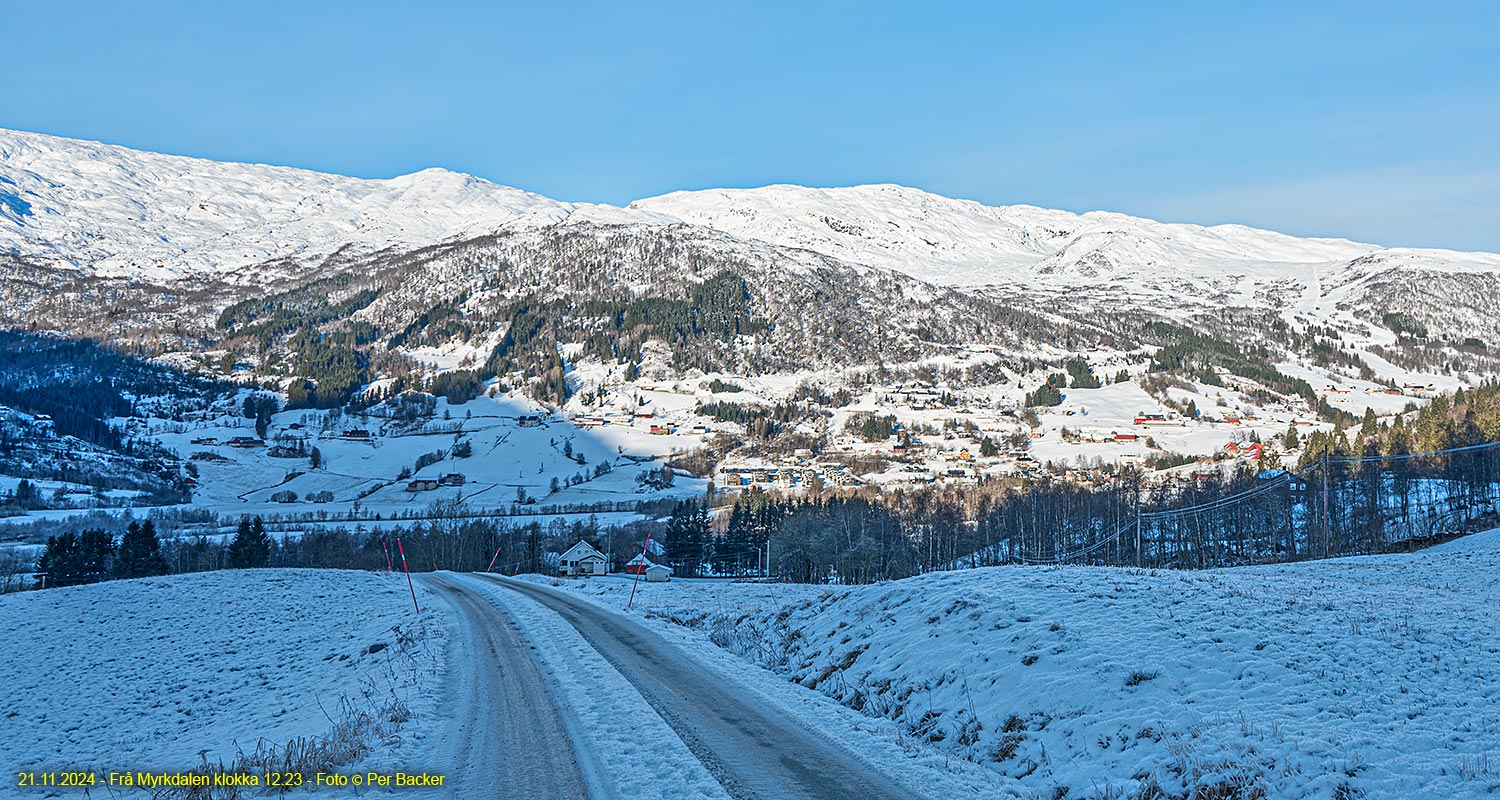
(582, 559)
(658, 573)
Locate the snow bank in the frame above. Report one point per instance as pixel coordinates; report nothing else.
(145, 674)
(1314, 680)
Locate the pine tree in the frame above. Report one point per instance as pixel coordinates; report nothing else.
(96, 549)
(26, 495)
(687, 537)
(61, 561)
(250, 547)
(140, 552)
(676, 536)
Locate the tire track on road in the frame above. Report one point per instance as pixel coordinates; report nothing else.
(512, 739)
(754, 753)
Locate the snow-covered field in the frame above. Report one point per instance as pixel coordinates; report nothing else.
(1365, 677)
(146, 674)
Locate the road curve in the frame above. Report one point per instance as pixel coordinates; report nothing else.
(753, 753)
(511, 740)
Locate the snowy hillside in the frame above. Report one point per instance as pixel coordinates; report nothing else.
(1365, 677)
(961, 242)
(127, 213)
(146, 674)
(1122, 261)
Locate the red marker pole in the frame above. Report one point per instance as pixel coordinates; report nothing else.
(491, 567)
(409, 585)
(639, 571)
(387, 549)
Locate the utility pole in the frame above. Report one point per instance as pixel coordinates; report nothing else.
(1327, 523)
(1138, 558)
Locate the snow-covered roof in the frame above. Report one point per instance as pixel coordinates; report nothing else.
(582, 551)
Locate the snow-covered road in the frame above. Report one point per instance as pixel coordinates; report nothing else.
(509, 732)
(522, 725)
(753, 752)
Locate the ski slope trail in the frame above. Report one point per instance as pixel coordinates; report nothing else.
(753, 753)
(511, 738)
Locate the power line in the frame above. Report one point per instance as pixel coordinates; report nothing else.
(1279, 482)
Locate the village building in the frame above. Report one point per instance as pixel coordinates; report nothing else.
(650, 570)
(582, 560)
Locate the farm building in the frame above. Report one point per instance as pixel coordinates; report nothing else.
(640, 565)
(421, 485)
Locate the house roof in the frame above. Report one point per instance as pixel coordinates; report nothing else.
(639, 559)
(581, 551)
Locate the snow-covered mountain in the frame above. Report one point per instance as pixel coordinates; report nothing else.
(965, 243)
(122, 212)
(118, 212)
(100, 232)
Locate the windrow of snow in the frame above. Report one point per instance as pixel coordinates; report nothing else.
(1368, 677)
(147, 674)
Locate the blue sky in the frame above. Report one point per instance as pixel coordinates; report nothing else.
(1368, 120)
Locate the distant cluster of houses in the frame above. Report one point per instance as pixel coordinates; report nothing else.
(794, 476)
(583, 560)
(429, 484)
(1337, 393)
(656, 428)
(919, 396)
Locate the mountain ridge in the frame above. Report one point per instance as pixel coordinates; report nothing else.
(118, 212)
(102, 240)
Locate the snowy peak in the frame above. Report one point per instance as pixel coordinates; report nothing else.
(934, 238)
(124, 213)
(115, 212)
(966, 243)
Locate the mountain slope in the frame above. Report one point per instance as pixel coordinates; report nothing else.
(965, 243)
(102, 240)
(125, 213)
(1096, 260)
